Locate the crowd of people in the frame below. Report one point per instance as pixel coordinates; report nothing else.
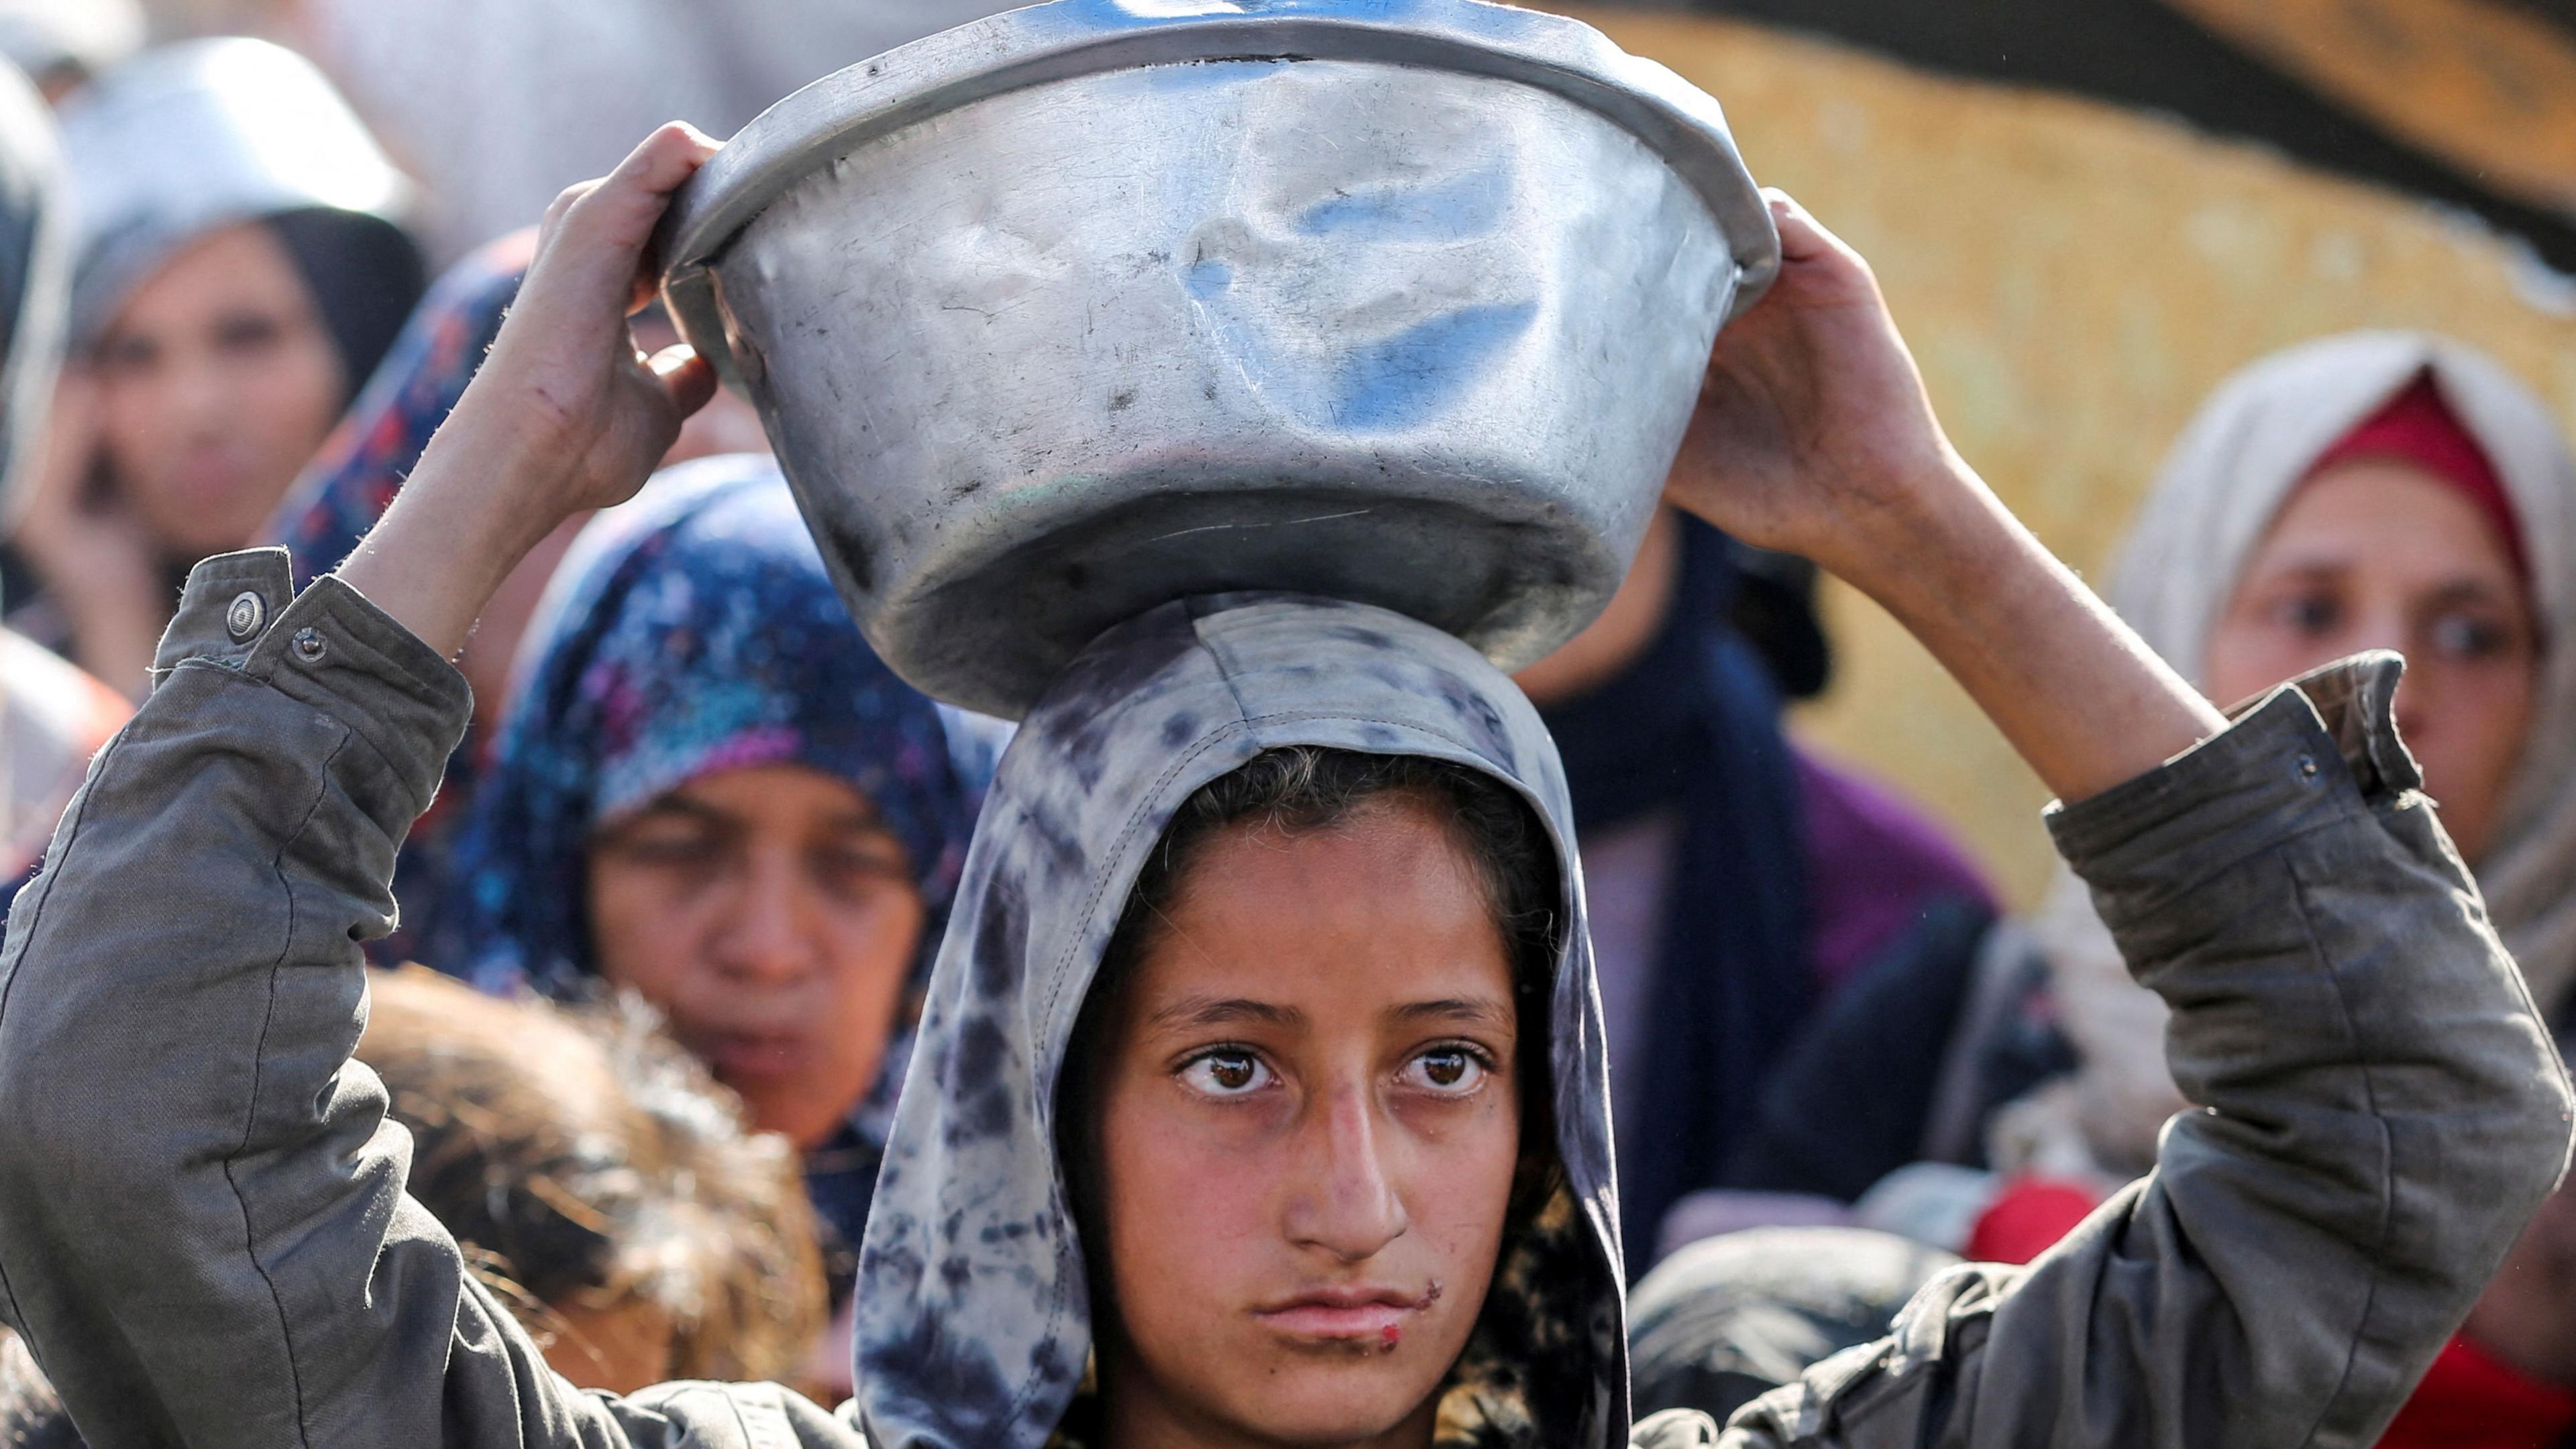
(751, 1018)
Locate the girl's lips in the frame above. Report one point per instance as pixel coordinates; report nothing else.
(1369, 1321)
(1362, 1315)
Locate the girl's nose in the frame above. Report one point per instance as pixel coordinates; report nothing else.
(1351, 1207)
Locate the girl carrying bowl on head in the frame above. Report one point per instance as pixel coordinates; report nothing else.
(1259, 1098)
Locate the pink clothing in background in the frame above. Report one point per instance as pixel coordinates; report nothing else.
(1873, 861)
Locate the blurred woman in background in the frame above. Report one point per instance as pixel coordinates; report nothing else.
(2375, 490)
(239, 271)
(361, 467)
(2380, 490)
(709, 791)
(1744, 892)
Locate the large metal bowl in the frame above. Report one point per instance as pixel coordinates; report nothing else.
(1068, 312)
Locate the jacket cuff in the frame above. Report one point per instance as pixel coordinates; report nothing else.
(2312, 752)
(327, 647)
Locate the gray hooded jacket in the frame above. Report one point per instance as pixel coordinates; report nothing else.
(204, 1236)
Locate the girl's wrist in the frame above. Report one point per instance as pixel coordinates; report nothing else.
(502, 488)
(1936, 535)
(476, 505)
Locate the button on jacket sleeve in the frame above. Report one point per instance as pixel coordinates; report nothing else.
(203, 1230)
(2381, 1111)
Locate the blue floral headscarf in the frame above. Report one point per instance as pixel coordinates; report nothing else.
(691, 631)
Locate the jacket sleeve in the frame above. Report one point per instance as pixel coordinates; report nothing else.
(2382, 1111)
(203, 1232)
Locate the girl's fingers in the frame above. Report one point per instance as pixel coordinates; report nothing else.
(551, 224)
(671, 155)
(687, 379)
(1802, 237)
(641, 186)
(599, 230)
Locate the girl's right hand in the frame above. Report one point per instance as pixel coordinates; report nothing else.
(564, 388)
(564, 416)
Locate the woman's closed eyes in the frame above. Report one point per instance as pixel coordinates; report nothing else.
(680, 837)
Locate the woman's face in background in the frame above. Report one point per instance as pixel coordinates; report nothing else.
(1308, 1126)
(2379, 554)
(217, 381)
(770, 914)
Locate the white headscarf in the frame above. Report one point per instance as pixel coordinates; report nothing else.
(2238, 462)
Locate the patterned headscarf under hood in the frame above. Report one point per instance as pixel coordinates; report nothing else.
(974, 1325)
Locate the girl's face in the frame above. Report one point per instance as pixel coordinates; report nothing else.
(1308, 1127)
(2378, 554)
(217, 381)
(773, 918)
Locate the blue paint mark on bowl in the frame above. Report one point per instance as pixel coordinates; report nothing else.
(1473, 203)
(1406, 378)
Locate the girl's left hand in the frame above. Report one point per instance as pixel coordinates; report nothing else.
(1813, 435)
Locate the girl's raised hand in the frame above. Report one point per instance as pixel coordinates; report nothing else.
(1813, 434)
(564, 378)
(565, 415)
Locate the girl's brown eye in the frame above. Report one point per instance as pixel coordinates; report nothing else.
(1226, 1073)
(1453, 1071)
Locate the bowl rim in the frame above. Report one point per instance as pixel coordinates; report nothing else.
(1068, 39)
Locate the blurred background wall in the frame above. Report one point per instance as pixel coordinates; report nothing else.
(2085, 215)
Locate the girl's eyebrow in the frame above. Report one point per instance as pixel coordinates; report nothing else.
(1198, 1011)
(1470, 1010)
(1204, 1011)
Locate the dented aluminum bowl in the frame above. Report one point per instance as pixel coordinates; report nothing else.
(1072, 311)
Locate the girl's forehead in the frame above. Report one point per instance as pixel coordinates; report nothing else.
(1345, 924)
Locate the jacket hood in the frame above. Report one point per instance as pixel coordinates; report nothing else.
(974, 1325)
